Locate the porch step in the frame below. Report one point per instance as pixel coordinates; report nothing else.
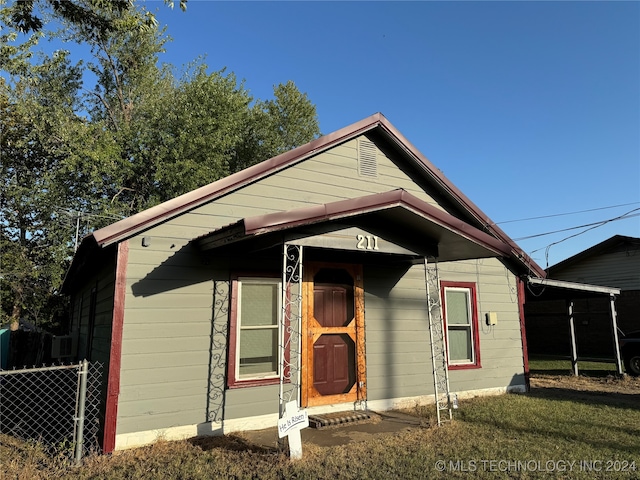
(338, 418)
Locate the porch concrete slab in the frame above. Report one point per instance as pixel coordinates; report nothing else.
(379, 424)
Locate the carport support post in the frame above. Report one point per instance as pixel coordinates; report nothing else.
(614, 326)
(572, 329)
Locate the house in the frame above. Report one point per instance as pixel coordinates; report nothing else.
(613, 263)
(319, 275)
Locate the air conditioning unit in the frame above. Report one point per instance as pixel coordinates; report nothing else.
(64, 346)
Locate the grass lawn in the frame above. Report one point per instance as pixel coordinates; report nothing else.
(565, 428)
(556, 366)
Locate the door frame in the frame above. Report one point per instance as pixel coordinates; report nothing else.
(310, 396)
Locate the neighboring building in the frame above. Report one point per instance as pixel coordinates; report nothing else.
(184, 303)
(612, 263)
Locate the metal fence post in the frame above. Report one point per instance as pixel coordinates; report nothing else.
(82, 378)
(54, 406)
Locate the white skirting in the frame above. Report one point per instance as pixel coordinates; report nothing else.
(138, 439)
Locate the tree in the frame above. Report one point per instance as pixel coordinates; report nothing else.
(137, 136)
(291, 119)
(37, 113)
(92, 16)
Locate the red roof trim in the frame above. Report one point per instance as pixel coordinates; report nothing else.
(149, 218)
(370, 203)
(463, 200)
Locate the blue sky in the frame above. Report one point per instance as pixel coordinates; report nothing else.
(531, 109)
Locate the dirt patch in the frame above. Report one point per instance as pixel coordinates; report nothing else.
(610, 390)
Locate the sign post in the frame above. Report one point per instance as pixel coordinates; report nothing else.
(290, 425)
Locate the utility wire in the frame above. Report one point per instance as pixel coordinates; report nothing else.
(591, 227)
(564, 214)
(86, 214)
(601, 222)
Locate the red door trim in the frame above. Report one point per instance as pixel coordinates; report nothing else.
(115, 355)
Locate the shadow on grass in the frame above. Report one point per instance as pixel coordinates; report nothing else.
(611, 399)
(232, 443)
(567, 372)
(557, 422)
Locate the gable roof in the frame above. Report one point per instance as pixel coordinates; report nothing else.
(597, 249)
(404, 216)
(146, 219)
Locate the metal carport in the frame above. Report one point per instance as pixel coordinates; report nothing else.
(569, 291)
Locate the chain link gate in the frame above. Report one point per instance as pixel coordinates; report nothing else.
(58, 406)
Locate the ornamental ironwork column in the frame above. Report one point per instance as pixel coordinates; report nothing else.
(290, 326)
(436, 334)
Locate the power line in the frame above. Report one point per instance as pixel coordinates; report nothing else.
(601, 222)
(567, 213)
(87, 214)
(591, 227)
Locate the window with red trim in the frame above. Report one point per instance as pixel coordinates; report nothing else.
(461, 324)
(254, 331)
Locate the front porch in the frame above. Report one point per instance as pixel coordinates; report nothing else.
(323, 256)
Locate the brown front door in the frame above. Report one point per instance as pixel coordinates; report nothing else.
(333, 329)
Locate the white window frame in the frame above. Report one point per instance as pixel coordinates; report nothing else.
(458, 326)
(240, 328)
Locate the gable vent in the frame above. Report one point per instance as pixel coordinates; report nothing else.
(367, 158)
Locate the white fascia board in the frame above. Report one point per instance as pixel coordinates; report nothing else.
(584, 287)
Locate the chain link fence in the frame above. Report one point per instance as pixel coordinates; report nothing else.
(58, 406)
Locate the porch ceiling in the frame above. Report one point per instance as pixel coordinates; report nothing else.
(396, 216)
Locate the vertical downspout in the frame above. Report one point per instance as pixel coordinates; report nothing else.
(115, 354)
(523, 334)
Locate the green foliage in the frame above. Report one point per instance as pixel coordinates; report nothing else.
(75, 157)
(291, 118)
(562, 366)
(37, 112)
(92, 17)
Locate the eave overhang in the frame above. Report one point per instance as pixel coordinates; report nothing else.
(396, 215)
(375, 125)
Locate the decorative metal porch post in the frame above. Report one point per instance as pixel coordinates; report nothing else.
(290, 326)
(436, 334)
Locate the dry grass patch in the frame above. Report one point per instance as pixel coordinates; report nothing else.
(626, 385)
(562, 420)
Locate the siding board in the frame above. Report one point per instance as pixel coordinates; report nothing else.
(170, 303)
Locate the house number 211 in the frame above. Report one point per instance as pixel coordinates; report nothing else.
(367, 242)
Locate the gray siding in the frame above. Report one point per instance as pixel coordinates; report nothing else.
(101, 344)
(104, 282)
(500, 345)
(80, 322)
(397, 333)
(618, 269)
(169, 302)
(166, 338)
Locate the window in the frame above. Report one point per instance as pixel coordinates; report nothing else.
(254, 332)
(461, 322)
